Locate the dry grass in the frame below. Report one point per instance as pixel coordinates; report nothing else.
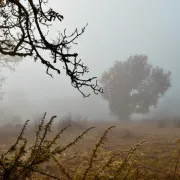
(101, 154)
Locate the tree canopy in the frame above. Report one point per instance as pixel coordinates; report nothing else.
(133, 86)
(24, 29)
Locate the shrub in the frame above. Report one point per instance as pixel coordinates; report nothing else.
(177, 124)
(128, 134)
(23, 161)
(77, 122)
(161, 124)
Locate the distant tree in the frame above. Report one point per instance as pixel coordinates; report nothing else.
(24, 29)
(133, 86)
(7, 62)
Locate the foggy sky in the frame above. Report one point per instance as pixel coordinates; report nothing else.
(116, 29)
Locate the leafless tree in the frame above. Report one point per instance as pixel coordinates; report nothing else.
(24, 29)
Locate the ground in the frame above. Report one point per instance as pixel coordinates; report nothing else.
(157, 158)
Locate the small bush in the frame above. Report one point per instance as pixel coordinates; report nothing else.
(24, 161)
(128, 134)
(46, 159)
(161, 124)
(177, 124)
(77, 123)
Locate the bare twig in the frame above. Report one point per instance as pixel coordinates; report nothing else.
(22, 34)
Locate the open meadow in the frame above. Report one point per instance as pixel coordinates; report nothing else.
(132, 150)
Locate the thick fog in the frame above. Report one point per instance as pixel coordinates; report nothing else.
(116, 29)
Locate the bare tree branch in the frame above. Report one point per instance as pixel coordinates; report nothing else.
(22, 25)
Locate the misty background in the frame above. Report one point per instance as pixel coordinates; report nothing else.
(116, 29)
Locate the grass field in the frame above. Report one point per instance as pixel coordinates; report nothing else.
(156, 158)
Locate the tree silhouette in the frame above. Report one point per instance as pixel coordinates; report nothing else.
(24, 29)
(8, 63)
(133, 86)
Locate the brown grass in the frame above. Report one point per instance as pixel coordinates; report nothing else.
(156, 159)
